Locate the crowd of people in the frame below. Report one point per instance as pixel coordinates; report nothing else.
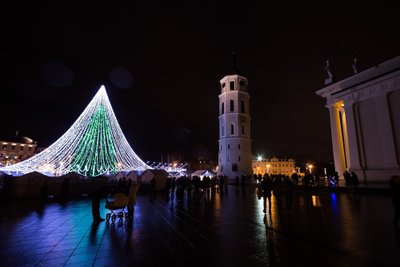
(281, 187)
(179, 186)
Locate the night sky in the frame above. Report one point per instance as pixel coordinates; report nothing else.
(161, 64)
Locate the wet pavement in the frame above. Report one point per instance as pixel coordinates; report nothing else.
(322, 228)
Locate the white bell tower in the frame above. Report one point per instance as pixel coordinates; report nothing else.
(234, 154)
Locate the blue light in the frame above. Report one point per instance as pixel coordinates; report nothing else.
(334, 202)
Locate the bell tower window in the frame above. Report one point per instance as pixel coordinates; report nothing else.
(232, 105)
(242, 106)
(232, 129)
(232, 86)
(222, 108)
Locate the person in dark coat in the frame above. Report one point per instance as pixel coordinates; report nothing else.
(288, 189)
(266, 187)
(395, 188)
(96, 196)
(354, 182)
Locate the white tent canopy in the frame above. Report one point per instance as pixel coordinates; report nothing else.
(202, 173)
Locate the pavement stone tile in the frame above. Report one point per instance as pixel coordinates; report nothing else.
(323, 228)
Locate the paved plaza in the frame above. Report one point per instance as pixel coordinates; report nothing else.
(230, 229)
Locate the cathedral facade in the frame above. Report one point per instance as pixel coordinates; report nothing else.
(365, 121)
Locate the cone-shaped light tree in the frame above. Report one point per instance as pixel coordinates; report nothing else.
(92, 146)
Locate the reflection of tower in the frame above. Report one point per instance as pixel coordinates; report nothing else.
(234, 157)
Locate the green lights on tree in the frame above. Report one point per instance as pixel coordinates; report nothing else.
(92, 146)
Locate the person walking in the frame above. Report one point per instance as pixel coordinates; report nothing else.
(395, 188)
(153, 183)
(336, 177)
(132, 199)
(96, 196)
(347, 180)
(288, 189)
(266, 187)
(354, 183)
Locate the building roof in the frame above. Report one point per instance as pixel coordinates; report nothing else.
(366, 75)
(234, 69)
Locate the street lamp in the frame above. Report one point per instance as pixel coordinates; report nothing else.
(310, 166)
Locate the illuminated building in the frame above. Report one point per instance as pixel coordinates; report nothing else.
(274, 166)
(365, 121)
(234, 154)
(13, 152)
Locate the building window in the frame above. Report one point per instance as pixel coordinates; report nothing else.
(239, 146)
(222, 131)
(12, 147)
(4, 147)
(229, 146)
(232, 105)
(223, 85)
(21, 148)
(232, 129)
(239, 158)
(232, 86)
(243, 129)
(228, 159)
(222, 108)
(234, 167)
(242, 106)
(241, 83)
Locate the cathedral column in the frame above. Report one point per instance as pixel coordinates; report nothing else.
(386, 131)
(337, 138)
(354, 160)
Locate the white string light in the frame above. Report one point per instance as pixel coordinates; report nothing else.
(92, 146)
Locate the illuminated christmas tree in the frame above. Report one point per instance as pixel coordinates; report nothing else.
(92, 146)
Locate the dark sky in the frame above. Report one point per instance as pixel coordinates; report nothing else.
(161, 63)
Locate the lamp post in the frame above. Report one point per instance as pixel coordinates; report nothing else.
(310, 166)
